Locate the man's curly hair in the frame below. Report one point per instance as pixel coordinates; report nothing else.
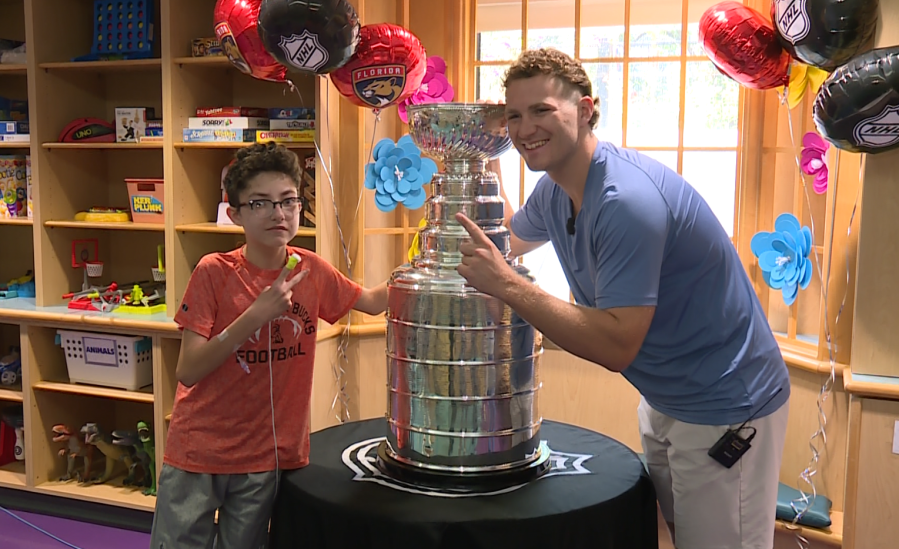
(256, 159)
(552, 62)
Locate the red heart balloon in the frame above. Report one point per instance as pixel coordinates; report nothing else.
(388, 66)
(743, 44)
(235, 28)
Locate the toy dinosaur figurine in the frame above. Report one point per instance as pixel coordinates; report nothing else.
(74, 449)
(146, 437)
(95, 436)
(130, 440)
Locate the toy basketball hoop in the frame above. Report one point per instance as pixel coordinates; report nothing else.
(94, 268)
(159, 269)
(85, 253)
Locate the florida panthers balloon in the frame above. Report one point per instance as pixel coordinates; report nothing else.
(825, 33)
(857, 107)
(388, 67)
(312, 36)
(743, 45)
(235, 29)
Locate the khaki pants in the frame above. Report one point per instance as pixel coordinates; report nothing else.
(186, 504)
(711, 506)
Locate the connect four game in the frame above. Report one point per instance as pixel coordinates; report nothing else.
(123, 29)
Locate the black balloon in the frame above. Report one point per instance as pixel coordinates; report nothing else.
(825, 33)
(857, 107)
(311, 36)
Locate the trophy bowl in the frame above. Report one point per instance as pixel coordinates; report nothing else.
(460, 131)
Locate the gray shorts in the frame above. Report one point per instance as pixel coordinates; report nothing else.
(186, 504)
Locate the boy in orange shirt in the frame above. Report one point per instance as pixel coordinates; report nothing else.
(245, 372)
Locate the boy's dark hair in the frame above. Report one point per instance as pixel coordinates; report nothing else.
(256, 159)
(552, 62)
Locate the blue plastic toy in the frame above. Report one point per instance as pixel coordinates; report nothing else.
(11, 367)
(123, 29)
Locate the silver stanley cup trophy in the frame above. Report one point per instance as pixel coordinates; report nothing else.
(462, 367)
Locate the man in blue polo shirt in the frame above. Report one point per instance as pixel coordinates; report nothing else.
(661, 297)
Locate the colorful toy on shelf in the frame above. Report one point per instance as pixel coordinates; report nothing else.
(146, 197)
(123, 29)
(159, 269)
(145, 456)
(146, 438)
(104, 214)
(95, 436)
(82, 258)
(88, 130)
(8, 440)
(11, 367)
(85, 255)
(14, 416)
(19, 287)
(129, 440)
(138, 302)
(75, 448)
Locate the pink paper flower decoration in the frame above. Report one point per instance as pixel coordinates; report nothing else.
(435, 88)
(813, 160)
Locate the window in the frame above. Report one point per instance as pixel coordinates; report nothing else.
(658, 91)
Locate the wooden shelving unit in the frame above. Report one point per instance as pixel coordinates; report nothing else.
(69, 178)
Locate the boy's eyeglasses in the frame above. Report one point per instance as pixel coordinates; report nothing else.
(265, 207)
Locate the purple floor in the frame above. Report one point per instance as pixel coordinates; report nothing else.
(15, 534)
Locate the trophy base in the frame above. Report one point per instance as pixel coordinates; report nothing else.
(480, 482)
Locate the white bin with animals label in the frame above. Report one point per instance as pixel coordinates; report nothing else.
(109, 360)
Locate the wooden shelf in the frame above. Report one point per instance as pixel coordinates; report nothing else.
(16, 221)
(13, 69)
(73, 176)
(12, 475)
(832, 537)
(102, 146)
(11, 393)
(208, 61)
(23, 309)
(112, 492)
(212, 228)
(130, 226)
(181, 145)
(104, 66)
(144, 395)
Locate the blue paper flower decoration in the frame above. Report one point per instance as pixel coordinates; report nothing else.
(398, 174)
(783, 256)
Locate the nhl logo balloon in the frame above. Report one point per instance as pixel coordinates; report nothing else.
(235, 28)
(316, 36)
(389, 66)
(743, 45)
(824, 33)
(857, 108)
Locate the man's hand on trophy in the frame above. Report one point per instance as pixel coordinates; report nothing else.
(483, 266)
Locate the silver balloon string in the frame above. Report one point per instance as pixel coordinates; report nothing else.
(340, 403)
(801, 505)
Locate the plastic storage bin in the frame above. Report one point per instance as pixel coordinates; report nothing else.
(146, 199)
(123, 362)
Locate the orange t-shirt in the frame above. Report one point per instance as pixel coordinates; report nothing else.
(223, 423)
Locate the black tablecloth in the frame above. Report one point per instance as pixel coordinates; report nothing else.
(597, 495)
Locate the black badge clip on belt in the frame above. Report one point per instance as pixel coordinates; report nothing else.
(731, 447)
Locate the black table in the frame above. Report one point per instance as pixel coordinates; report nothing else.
(596, 495)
